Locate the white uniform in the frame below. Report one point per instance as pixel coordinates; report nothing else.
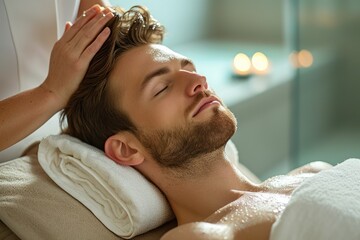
(28, 31)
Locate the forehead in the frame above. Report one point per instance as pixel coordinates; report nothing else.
(131, 68)
(160, 53)
(140, 60)
(152, 54)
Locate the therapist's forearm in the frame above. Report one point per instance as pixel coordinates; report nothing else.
(23, 113)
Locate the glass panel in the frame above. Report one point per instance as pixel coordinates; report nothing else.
(326, 96)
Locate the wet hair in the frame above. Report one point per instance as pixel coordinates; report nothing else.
(91, 113)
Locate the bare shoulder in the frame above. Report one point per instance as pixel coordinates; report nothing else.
(200, 231)
(313, 167)
(249, 217)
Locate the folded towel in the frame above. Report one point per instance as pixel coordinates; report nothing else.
(325, 206)
(119, 196)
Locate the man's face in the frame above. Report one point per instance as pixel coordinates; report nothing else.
(178, 118)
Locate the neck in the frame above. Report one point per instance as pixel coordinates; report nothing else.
(194, 198)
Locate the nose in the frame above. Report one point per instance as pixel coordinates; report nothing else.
(197, 83)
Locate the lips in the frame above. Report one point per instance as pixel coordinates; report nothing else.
(205, 103)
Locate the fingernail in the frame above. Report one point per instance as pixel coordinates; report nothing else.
(108, 15)
(88, 12)
(92, 9)
(106, 31)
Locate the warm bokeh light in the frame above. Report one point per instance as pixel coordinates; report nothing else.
(302, 59)
(293, 57)
(260, 63)
(305, 58)
(242, 64)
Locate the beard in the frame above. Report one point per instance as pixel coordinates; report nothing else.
(179, 148)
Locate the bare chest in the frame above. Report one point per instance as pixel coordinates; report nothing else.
(250, 209)
(251, 216)
(254, 212)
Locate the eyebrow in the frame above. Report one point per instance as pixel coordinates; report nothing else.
(164, 70)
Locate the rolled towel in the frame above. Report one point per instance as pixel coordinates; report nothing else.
(119, 196)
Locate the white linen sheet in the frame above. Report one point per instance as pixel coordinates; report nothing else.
(325, 207)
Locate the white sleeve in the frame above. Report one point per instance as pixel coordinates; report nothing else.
(66, 10)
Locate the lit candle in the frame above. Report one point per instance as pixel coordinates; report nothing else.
(260, 63)
(242, 65)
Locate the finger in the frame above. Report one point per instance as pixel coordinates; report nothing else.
(68, 26)
(104, 12)
(94, 47)
(95, 7)
(95, 29)
(107, 10)
(81, 21)
(90, 31)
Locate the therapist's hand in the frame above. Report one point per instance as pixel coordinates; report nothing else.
(73, 52)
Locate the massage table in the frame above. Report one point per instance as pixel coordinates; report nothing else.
(33, 206)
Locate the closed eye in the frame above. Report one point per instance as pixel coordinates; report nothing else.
(162, 90)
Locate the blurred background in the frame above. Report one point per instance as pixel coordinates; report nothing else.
(288, 69)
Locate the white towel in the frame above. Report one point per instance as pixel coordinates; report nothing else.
(324, 207)
(119, 196)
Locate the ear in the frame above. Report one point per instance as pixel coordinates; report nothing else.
(123, 148)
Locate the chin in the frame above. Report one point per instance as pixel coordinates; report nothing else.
(221, 128)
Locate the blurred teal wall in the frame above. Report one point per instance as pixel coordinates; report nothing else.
(191, 20)
(248, 20)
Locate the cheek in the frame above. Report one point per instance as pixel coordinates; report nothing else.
(166, 113)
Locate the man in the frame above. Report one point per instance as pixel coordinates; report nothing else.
(147, 107)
